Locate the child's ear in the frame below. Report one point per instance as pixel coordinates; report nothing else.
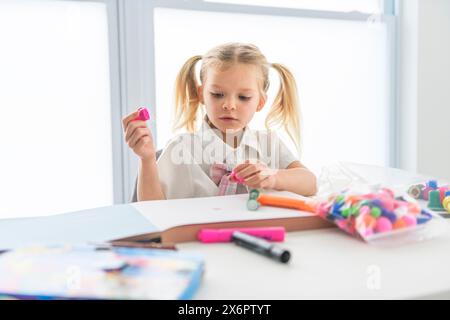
(200, 94)
(262, 102)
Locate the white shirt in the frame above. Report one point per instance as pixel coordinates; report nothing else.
(184, 164)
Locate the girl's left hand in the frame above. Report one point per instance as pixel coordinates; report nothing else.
(256, 174)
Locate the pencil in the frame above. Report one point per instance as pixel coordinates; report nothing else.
(132, 244)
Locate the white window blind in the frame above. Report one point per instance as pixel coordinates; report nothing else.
(55, 117)
(341, 68)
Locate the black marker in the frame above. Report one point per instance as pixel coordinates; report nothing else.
(261, 246)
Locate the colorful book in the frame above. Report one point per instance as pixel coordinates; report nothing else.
(92, 272)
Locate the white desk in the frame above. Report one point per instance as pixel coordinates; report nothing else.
(326, 264)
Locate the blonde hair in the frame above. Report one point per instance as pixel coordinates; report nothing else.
(284, 111)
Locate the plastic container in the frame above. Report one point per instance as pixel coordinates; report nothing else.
(380, 217)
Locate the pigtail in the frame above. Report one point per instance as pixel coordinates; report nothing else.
(187, 100)
(285, 109)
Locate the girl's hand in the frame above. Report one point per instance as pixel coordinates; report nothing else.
(138, 136)
(256, 174)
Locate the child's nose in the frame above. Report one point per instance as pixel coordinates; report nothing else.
(229, 105)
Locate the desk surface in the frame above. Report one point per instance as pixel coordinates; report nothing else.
(327, 264)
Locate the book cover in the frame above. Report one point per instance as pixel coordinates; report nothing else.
(98, 272)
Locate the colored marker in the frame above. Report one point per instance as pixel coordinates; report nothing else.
(261, 246)
(283, 202)
(143, 114)
(224, 235)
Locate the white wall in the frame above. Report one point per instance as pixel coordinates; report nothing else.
(424, 84)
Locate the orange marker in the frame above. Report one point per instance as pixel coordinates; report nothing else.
(276, 201)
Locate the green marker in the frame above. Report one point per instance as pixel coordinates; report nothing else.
(434, 201)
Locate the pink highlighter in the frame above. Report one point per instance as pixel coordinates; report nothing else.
(143, 114)
(224, 235)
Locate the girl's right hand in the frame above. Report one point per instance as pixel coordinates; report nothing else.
(138, 136)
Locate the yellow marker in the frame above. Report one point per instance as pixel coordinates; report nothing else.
(446, 203)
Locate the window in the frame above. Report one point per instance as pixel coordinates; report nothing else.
(341, 67)
(71, 69)
(55, 107)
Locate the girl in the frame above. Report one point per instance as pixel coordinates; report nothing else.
(224, 156)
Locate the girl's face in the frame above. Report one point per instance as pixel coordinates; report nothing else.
(232, 96)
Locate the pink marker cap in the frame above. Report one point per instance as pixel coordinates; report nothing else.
(143, 115)
(233, 175)
(224, 235)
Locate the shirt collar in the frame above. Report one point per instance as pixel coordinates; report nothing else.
(249, 138)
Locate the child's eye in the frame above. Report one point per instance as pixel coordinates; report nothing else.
(220, 95)
(217, 95)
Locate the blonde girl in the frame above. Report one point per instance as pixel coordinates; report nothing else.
(223, 156)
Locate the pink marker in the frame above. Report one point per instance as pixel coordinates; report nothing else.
(233, 175)
(224, 235)
(143, 114)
